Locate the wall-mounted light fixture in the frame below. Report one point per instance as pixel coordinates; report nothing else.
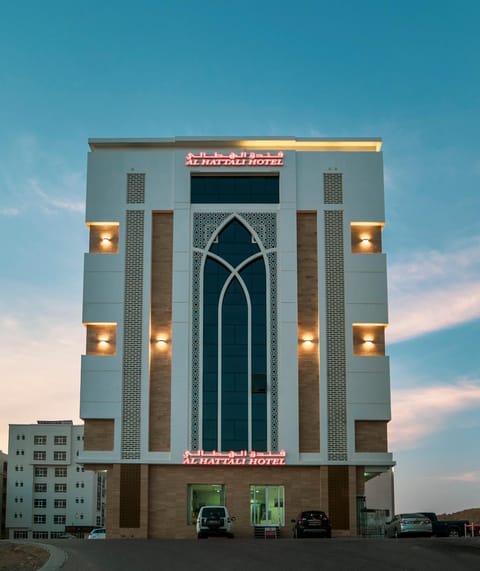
(369, 342)
(106, 240)
(161, 342)
(103, 340)
(307, 341)
(365, 240)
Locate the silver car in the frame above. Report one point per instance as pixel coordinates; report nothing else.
(408, 524)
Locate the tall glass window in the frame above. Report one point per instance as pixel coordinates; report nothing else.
(234, 342)
(247, 189)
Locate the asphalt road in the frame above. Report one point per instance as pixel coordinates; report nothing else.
(356, 554)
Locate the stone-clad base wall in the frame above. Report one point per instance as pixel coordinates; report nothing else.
(163, 497)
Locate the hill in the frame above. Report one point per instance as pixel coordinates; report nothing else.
(472, 514)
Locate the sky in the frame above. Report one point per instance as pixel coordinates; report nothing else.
(407, 72)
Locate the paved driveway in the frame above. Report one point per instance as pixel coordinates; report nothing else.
(436, 554)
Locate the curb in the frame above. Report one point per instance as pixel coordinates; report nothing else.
(56, 560)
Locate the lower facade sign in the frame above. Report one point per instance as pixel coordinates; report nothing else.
(241, 458)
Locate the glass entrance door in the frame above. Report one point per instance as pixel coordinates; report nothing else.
(267, 505)
(203, 495)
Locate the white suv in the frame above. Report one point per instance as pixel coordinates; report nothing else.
(214, 520)
(98, 533)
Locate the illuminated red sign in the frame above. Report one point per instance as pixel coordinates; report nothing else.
(242, 159)
(242, 458)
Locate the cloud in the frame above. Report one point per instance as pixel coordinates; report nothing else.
(434, 290)
(30, 170)
(419, 412)
(9, 211)
(54, 202)
(465, 477)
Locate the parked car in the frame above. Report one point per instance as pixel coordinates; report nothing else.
(214, 521)
(98, 533)
(446, 528)
(413, 524)
(311, 522)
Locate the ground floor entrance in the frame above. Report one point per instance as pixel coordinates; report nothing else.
(162, 501)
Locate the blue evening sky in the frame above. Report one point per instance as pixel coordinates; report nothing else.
(405, 71)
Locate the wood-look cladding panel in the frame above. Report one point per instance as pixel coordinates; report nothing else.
(137, 502)
(101, 339)
(161, 327)
(103, 238)
(308, 354)
(339, 496)
(371, 436)
(98, 434)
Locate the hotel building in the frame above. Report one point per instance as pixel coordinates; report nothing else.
(235, 304)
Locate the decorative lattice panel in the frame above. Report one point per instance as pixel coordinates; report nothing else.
(135, 188)
(333, 188)
(336, 360)
(132, 335)
(205, 225)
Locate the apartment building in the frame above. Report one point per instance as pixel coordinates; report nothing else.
(48, 491)
(3, 491)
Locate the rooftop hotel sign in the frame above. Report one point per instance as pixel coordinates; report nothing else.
(242, 458)
(242, 159)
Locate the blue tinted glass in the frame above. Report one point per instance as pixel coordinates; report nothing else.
(235, 189)
(235, 245)
(235, 370)
(214, 273)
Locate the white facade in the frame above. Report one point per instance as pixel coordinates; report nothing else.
(47, 490)
(326, 360)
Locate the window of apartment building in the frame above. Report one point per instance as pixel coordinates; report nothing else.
(40, 503)
(17, 515)
(40, 472)
(39, 455)
(40, 439)
(40, 535)
(40, 487)
(81, 500)
(19, 500)
(60, 472)
(60, 487)
(60, 504)
(20, 436)
(59, 519)
(20, 534)
(60, 456)
(60, 440)
(18, 468)
(80, 485)
(20, 452)
(39, 518)
(19, 484)
(267, 505)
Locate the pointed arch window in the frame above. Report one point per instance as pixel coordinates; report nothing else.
(234, 334)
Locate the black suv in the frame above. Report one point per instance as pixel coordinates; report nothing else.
(312, 522)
